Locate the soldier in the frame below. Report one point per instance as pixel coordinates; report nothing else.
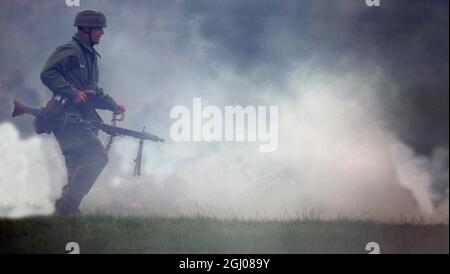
(71, 73)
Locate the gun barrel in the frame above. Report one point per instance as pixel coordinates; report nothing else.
(128, 132)
(152, 137)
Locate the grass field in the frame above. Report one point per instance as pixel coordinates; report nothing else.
(109, 234)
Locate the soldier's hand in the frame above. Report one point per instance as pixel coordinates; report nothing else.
(120, 109)
(80, 97)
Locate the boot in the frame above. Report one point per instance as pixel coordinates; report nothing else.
(66, 206)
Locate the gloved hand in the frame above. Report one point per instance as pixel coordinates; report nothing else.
(82, 95)
(120, 109)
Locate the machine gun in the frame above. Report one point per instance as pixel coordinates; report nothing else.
(69, 119)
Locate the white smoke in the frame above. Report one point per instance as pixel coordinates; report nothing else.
(27, 185)
(336, 154)
(335, 157)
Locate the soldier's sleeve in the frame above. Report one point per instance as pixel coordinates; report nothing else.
(57, 65)
(104, 101)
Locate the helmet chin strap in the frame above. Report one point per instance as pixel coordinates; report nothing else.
(89, 33)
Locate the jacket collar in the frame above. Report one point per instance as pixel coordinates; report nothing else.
(85, 44)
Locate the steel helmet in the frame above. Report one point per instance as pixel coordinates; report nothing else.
(90, 18)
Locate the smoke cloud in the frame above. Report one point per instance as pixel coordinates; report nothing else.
(362, 96)
(27, 184)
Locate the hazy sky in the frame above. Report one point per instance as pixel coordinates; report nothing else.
(362, 94)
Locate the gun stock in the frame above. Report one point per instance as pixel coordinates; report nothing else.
(21, 109)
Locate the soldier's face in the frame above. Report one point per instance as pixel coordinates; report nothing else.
(96, 34)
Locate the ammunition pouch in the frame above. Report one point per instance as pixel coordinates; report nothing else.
(42, 125)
